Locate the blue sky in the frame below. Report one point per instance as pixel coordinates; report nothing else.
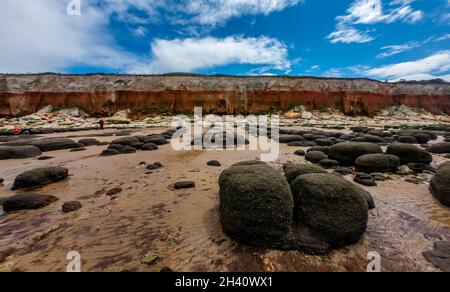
(380, 39)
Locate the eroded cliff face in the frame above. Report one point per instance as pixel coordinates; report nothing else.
(107, 94)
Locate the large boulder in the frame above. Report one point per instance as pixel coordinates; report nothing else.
(40, 177)
(285, 139)
(125, 141)
(373, 138)
(332, 208)
(256, 205)
(372, 163)
(409, 153)
(18, 152)
(347, 153)
(292, 171)
(440, 148)
(422, 138)
(52, 144)
(155, 139)
(407, 140)
(324, 149)
(440, 184)
(315, 156)
(149, 147)
(27, 202)
(89, 142)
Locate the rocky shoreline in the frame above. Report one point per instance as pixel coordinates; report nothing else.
(342, 187)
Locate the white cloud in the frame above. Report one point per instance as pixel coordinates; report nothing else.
(193, 12)
(191, 54)
(444, 37)
(397, 49)
(347, 34)
(140, 32)
(434, 66)
(212, 12)
(368, 12)
(39, 36)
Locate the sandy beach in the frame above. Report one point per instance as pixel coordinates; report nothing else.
(182, 226)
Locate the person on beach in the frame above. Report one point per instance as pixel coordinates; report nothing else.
(17, 130)
(102, 124)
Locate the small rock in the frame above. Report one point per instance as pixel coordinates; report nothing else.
(150, 258)
(166, 270)
(41, 235)
(378, 177)
(420, 167)
(344, 170)
(413, 181)
(159, 164)
(404, 170)
(71, 206)
(365, 180)
(113, 192)
(45, 157)
(109, 152)
(214, 163)
(184, 185)
(152, 167)
(299, 153)
(78, 149)
(439, 256)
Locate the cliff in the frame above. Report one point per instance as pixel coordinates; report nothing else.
(101, 94)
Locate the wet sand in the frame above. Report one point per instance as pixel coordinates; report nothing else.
(183, 225)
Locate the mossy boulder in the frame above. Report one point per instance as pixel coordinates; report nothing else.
(315, 156)
(256, 205)
(125, 141)
(89, 142)
(440, 184)
(18, 152)
(27, 202)
(409, 153)
(440, 148)
(53, 144)
(285, 139)
(292, 171)
(372, 163)
(40, 177)
(347, 153)
(332, 208)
